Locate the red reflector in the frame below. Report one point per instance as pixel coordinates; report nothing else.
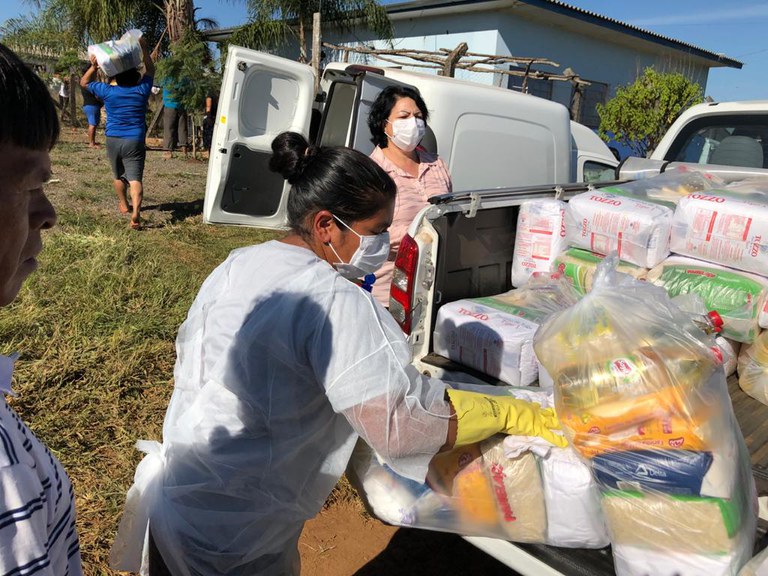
(407, 256)
(406, 261)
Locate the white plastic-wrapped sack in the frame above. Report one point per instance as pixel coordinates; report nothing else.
(724, 229)
(540, 237)
(739, 297)
(494, 335)
(115, 56)
(578, 266)
(493, 341)
(753, 368)
(530, 492)
(637, 230)
(641, 395)
(573, 501)
(636, 561)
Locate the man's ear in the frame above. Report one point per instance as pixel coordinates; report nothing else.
(323, 224)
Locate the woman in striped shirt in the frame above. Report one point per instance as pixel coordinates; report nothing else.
(398, 117)
(37, 505)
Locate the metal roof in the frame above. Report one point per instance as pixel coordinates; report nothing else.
(568, 10)
(555, 6)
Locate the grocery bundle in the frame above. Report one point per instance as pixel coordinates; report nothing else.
(642, 397)
(495, 334)
(521, 489)
(684, 230)
(115, 56)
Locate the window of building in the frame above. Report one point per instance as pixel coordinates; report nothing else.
(592, 95)
(536, 86)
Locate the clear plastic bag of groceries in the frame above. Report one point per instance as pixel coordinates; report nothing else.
(753, 368)
(668, 187)
(115, 56)
(641, 395)
(516, 488)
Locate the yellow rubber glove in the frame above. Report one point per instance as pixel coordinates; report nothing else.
(480, 416)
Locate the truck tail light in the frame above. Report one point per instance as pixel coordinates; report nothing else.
(403, 283)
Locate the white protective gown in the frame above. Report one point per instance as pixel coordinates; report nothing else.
(282, 364)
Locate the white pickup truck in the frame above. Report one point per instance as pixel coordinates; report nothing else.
(515, 147)
(461, 246)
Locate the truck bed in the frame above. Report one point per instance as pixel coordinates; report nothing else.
(752, 417)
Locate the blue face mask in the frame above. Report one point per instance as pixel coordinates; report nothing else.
(367, 259)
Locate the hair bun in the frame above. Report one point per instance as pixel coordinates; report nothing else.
(290, 155)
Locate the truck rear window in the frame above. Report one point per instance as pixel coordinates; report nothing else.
(733, 140)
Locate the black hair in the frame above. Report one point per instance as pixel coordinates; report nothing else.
(128, 78)
(382, 108)
(29, 113)
(341, 180)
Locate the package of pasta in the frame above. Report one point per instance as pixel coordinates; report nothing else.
(668, 187)
(753, 368)
(738, 297)
(578, 267)
(494, 334)
(724, 229)
(637, 230)
(520, 489)
(539, 238)
(641, 394)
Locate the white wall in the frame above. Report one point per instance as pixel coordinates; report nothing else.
(592, 52)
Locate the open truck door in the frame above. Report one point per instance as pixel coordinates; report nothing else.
(261, 96)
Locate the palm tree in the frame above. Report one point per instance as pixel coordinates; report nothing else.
(272, 22)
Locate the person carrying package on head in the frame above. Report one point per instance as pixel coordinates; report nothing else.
(283, 362)
(398, 117)
(174, 121)
(126, 104)
(92, 110)
(37, 505)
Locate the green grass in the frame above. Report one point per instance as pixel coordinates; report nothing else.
(95, 328)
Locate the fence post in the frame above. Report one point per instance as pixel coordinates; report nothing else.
(449, 68)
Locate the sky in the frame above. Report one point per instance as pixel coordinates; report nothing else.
(736, 28)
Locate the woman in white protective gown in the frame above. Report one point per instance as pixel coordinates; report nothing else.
(282, 363)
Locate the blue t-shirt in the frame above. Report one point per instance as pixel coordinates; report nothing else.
(168, 100)
(126, 108)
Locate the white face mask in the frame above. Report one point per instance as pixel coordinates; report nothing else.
(368, 257)
(407, 132)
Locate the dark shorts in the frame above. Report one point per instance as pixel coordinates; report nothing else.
(126, 158)
(92, 113)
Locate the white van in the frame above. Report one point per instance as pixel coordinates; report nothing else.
(489, 137)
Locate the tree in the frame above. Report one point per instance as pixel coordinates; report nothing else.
(189, 59)
(273, 22)
(640, 113)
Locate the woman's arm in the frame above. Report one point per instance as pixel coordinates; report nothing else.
(87, 78)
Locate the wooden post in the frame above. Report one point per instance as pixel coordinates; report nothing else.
(316, 49)
(576, 95)
(449, 68)
(74, 88)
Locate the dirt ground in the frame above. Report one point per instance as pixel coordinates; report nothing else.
(343, 541)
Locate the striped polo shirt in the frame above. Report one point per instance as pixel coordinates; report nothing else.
(412, 195)
(37, 503)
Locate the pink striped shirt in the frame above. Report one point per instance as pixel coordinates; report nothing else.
(412, 195)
